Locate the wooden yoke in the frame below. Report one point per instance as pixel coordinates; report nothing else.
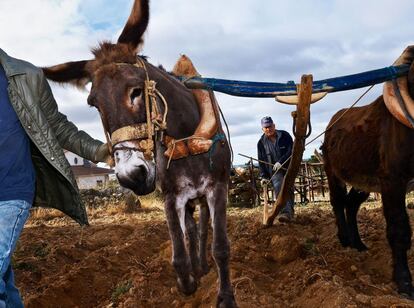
(302, 116)
(396, 95)
(200, 141)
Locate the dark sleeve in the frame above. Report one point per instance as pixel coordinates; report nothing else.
(288, 141)
(68, 135)
(261, 155)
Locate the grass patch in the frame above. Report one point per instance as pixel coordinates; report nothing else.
(39, 213)
(41, 250)
(121, 289)
(310, 247)
(24, 266)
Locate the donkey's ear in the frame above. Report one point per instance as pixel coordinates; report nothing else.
(136, 25)
(70, 72)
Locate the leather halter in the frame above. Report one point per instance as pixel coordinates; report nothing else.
(145, 132)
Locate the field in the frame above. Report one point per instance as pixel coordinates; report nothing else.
(123, 260)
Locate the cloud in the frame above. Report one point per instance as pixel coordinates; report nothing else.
(50, 32)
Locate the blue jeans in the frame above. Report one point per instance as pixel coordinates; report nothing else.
(13, 215)
(277, 181)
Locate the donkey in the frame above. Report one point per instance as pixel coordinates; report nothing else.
(120, 91)
(371, 150)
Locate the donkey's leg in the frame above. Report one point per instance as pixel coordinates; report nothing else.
(192, 238)
(216, 199)
(398, 233)
(176, 224)
(355, 199)
(204, 217)
(337, 192)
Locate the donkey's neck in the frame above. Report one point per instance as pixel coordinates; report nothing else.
(183, 114)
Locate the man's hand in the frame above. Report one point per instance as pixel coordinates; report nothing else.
(102, 155)
(264, 182)
(277, 166)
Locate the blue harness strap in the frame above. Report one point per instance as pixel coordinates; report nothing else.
(217, 137)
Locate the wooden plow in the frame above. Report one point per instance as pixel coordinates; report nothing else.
(301, 95)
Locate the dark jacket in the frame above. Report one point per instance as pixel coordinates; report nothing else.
(284, 143)
(49, 132)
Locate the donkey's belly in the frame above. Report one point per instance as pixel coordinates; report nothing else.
(364, 183)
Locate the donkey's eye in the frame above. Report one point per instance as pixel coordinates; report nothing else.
(135, 94)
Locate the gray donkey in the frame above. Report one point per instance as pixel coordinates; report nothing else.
(143, 108)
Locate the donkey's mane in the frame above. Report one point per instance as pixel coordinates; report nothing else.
(107, 53)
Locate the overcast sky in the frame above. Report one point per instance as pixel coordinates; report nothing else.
(257, 40)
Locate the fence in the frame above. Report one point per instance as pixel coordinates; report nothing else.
(245, 189)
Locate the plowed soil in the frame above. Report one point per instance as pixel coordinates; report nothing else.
(123, 260)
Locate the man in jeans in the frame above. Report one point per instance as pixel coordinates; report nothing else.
(275, 147)
(33, 168)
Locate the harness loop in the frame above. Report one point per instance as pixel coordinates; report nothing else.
(402, 103)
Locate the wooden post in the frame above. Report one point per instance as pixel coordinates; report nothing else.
(303, 201)
(302, 192)
(255, 193)
(311, 179)
(302, 119)
(308, 187)
(303, 185)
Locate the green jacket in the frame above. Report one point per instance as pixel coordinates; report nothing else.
(50, 132)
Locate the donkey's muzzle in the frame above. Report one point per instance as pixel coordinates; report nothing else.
(138, 181)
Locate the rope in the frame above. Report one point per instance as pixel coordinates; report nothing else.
(162, 125)
(153, 120)
(270, 164)
(228, 134)
(184, 80)
(217, 137)
(329, 127)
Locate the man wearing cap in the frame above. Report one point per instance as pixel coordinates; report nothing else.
(275, 148)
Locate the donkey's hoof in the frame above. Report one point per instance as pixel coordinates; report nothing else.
(187, 286)
(344, 240)
(226, 301)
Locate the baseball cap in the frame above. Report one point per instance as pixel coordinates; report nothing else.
(266, 121)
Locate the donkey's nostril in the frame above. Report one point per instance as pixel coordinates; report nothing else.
(137, 176)
(140, 173)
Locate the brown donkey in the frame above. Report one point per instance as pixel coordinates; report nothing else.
(372, 151)
(128, 93)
